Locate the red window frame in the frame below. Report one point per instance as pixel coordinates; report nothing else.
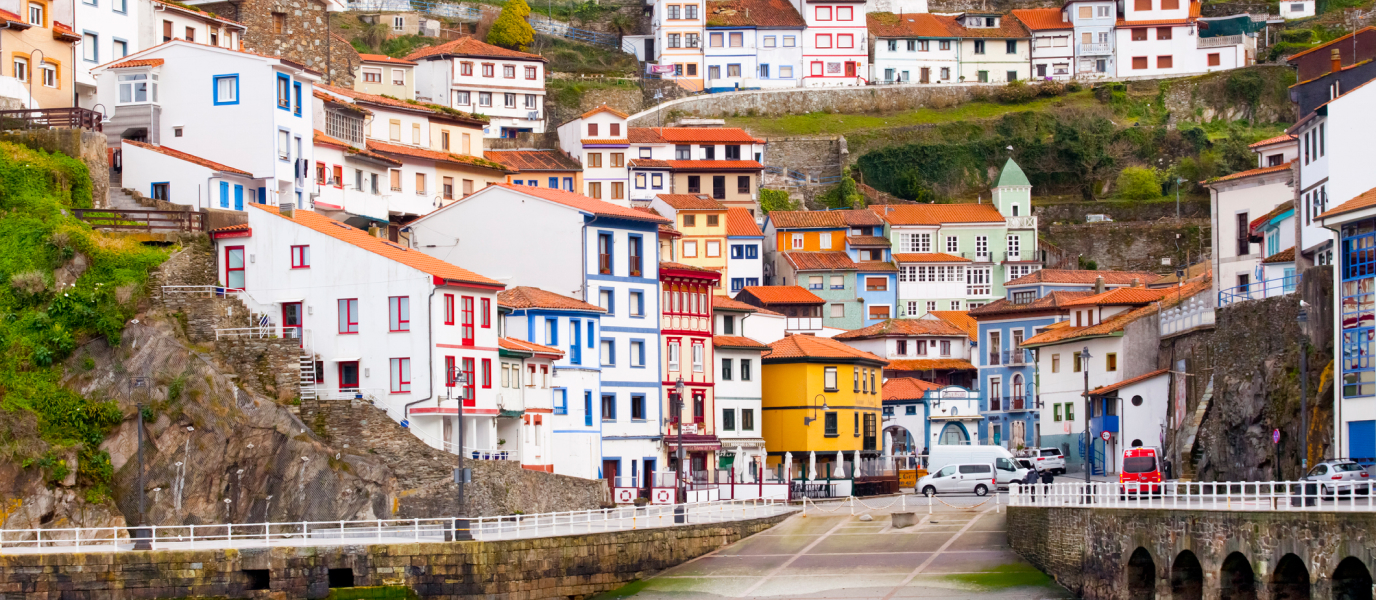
(849, 40)
(350, 306)
(530, 72)
(466, 69)
(486, 317)
(243, 263)
(821, 10)
(469, 392)
(300, 257)
(487, 373)
(449, 371)
(339, 367)
(827, 37)
(449, 309)
(399, 383)
(394, 308)
(467, 331)
(849, 12)
(339, 177)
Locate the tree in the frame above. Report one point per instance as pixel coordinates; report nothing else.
(846, 194)
(1139, 183)
(511, 29)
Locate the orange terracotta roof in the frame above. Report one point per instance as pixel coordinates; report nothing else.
(1250, 173)
(531, 297)
(644, 135)
(819, 261)
(1051, 302)
(1103, 390)
(931, 364)
(1284, 137)
(740, 223)
(715, 165)
(796, 347)
(439, 156)
(774, 14)
(1121, 296)
(705, 272)
(906, 388)
(724, 303)
(383, 58)
(937, 214)
(959, 318)
(604, 141)
(196, 160)
(468, 46)
(61, 31)
(434, 110)
(415, 259)
(533, 160)
(1284, 256)
(646, 163)
(1083, 277)
(737, 342)
(932, 257)
(584, 203)
(324, 140)
(239, 227)
(138, 62)
(1292, 58)
(702, 135)
(524, 346)
(810, 219)
(607, 109)
(1364, 200)
(922, 25)
(1112, 325)
(690, 202)
(868, 241)
(903, 328)
(6, 15)
(782, 294)
(870, 266)
(324, 97)
(1040, 19)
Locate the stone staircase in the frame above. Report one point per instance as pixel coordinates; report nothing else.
(307, 372)
(1190, 434)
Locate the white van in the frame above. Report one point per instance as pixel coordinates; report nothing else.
(958, 478)
(1007, 469)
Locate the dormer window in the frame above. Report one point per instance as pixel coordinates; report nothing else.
(138, 88)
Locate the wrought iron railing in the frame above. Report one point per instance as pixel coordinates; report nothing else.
(1257, 290)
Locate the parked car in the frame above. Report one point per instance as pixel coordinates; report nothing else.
(1141, 466)
(1341, 470)
(1000, 457)
(960, 478)
(1050, 459)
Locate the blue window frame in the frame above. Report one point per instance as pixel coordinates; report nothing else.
(591, 339)
(238, 197)
(587, 409)
(638, 353)
(637, 307)
(752, 281)
(283, 92)
(262, 195)
(1358, 294)
(520, 182)
(606, 298)
(120, 6)
(561, 401)
(554, 182)
(637, 407)
(575, 343)
(737, 283)
(224, 194)
(610, 354)
(90, 54)
(296, 88)
(737, 250)
(119, 48)
(225, 89)
(568, 184)
(752, 251)
(764, 71)
(608, 407)
(551, 332)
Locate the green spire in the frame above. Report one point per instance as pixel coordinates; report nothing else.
(1012, 175)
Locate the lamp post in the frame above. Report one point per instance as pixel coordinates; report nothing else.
(1303, 319)
(1089, 439)
(1178, 181)
(808, 420)
(38, 62)
(457, 377)
(681, 494)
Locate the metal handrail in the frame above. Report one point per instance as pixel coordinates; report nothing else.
(1256, 290)
(1312, 496)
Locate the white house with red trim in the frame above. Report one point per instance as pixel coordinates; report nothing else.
(835, 42)
(599, 139)
(377, 321)
(1163, 37)
(506, 85)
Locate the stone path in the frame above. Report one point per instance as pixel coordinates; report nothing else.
(953, 553)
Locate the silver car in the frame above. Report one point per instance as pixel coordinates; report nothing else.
(1049, 459)
(1344, 471)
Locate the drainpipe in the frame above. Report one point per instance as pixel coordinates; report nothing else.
(430, 357)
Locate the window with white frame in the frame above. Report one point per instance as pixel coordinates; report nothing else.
(698, 353)
(916, 242)
(227, 89)
(981, 246)
(21, 69)
(952, 244)
(50, 74)
(797, 240)
(1014, 247)
(673, 356)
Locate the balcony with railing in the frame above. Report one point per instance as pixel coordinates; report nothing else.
(1097, 49)
(1021, 222)
(1267, 288)
(345, 126)
(979, 257)
(1017, 358)
(51, 118)
(1220, 41)
(1192, 313)
(604, 264)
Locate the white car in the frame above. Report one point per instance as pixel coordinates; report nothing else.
(1346, 472)
(975, 478)
(1049, 459)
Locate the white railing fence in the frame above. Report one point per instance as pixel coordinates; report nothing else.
(383, 531)
(1330, 496)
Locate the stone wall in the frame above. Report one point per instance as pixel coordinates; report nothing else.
(1133, 246)
(574, 566)
(304, 39)
(819, 156)
(1087, 550)
(268, 366)
(1205, 97)
(1075, 211)
(89, 146)
(807, 100)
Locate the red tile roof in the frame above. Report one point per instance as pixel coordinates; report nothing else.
(796, 219)
(324, 140)
(701, 135)
(876, 266)
(462, 160)
(819, 261)
(906, 388)
(931, 364)
(605, 108)
(715, 165)
(932, 257)
(412, 258)
(1051, 302)
(1122, 296)
(959, 318)
(1363, 200)
(138, 62)
(604, 141)
(753, 13)
(524, 346)
(644, 135)
(690, 202)
(910, 25)
(383, 58)
(228, 228)
(902, 328)
(1112, 325)
(1084, 277)
(435, 110)
(724, 303)
(1102, 390)
(805, 346)
(737, 342)
(1284, 256)
(468, 46)
(782, 294)
(1250, 173)
(1282, 138)
(1331, 44)
(533, 160)
(646, 163)
(6, 15)
(1042, 19)
(532, 297)
(740, 223)
(196, 160)
(937, 214)
(868, 241)
(584, 203)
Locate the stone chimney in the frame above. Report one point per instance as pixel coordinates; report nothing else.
(1337, 59)
(1099, 284)
(287, 209)
(1136, 282)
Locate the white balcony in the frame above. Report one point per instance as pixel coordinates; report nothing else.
(1024, 222)
(803, 324)
(1095, 49)
(1220, 41)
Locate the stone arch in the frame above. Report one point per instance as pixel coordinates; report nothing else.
(1187, 577)
(1236, 579)
(1351, 580)
(1290, 581)
(1141, 575)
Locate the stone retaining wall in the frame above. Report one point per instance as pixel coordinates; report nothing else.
(851, 100)
(89, 146)
(573, 566)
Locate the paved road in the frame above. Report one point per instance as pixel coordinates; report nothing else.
(954, 553)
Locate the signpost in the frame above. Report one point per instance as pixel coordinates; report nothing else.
(1105, 435)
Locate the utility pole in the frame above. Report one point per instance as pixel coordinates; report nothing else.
(1089, 435)
(461, 475)
(1304, 388)
(680, 493)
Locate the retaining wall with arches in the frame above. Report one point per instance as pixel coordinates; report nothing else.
(1114, 553)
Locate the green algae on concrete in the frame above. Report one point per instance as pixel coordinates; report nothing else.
(378, 592)
(1011, 575)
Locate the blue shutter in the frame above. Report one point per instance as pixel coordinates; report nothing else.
(224, 194)
(587, 409)
(238, 197)
(1361, 441)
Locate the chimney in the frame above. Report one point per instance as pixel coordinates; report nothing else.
(287, 209)
(1099, 284)
(1136, 282)
(1337, 59)
(375, 231)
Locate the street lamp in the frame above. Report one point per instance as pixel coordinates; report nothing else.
(1178, 181)
(681, 494)
(1089, 440)
(457, 377)
(1303, 320)
(808, 420)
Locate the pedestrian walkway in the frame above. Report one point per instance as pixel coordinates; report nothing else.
(960, 550)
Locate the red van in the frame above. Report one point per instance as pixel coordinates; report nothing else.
(1141, 466)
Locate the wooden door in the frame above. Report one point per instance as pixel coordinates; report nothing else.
(926, 75)
(850, 69)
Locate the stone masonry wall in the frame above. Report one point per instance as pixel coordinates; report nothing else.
(807, 100)
(1133, 246)
(304, 39)
(268, 366)
(574, 566)
(1087, 550)
(812, 156)
(89, 146)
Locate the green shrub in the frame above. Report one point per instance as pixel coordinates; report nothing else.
(1016, 92)
(771, 200)
(1302, 36)
(1139, 183)
(511, 29)
(846, 194)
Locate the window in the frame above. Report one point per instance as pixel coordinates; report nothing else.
(466, 324)
(1139, 62)
(785, 72)
(1163, 33)
(348, 374)
(728, 419)
(486, 316)
(845, 40)
(1076, 367)
(1069, 411)
(838, 282)
(1215, 60)
(698, 353)
(673, 11)
(690, 249)
(509, 100)
(979, 46)
(1056, 412)
(726, 369)
(300, 257)
(829, 422)
(714, 40)
(1055, 363)
(824, 13)
(401, 375)
(1164, 62)
(1011, 47)
(690, 11)
(420, 184)
(844, 13)
(399, 313)
(530, 72)
(594, 160)
(878, 312)
(713, 249)
(21, 72)
(876, 284)
(484, 98)
(829, 379)
(348, 315)
(36, 14)
(1111, 361)
(283, 92)
(509, 71)
(824, 40)
(608, 348)
(90, 44)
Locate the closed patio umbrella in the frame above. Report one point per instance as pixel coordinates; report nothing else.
(811, 465)
(840, 470)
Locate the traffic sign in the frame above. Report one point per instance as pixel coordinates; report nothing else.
(1275, 436)
(1105, 435)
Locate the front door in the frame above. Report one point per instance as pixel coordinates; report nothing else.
(1041, 70)
(610, 469)
(234, 267)
(926, 75)
(850, 69)
(648, 481)
(238, 197)
(291, 320)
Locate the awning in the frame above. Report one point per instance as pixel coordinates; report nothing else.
(362, 221)
(693, 442)
(509, 414)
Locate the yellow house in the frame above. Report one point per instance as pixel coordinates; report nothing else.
(820, 395)
(702, 223)
(36, 50)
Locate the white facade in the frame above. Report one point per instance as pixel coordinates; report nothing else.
(468, 75)
(187, 183)
(916, 60)
(1332, 170)
(956, 420)
(737, 396)
(751, 57)
(1154, 50)
(995, 59)
(1235, 204)
(678, 29)
(1094, 37)
(348, 183)
(835, 43)
(1053, 54)
(1298, 9)
(1064, 385)
(1141, 414)
(598, 141)
(245, 110)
